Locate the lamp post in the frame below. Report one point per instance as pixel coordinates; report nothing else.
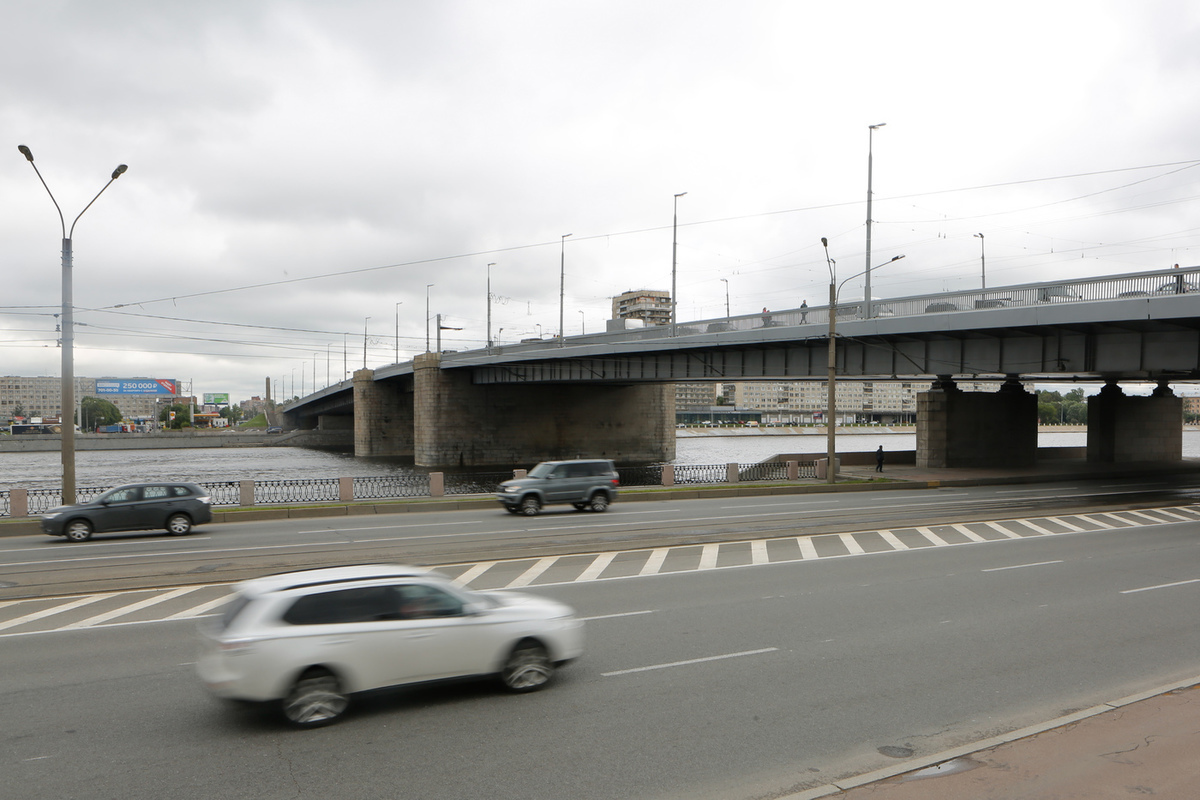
(831, 402)
(582, 323)
(726, 280)
(365, 342)
(982, 262)
(674, 253)
(68, 332)
(562, 283)
(398, 330)
(870, 159)
(428, 286)
(489, 301)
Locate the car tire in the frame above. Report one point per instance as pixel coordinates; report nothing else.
(179, 524)
(316, 699)
(78, 530)
(527, 668)
(599, 502)
(530, 506)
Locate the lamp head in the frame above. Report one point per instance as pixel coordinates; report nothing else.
(877, 126)
(118, 172)
(25, 152)
(824, 242)
(979, 236)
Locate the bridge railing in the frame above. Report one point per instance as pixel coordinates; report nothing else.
(34, 502)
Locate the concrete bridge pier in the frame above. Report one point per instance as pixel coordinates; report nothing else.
(1123, 428)
(976, 429)
(458, 423)
(383, 416)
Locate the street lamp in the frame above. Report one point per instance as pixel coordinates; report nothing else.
(68, 333)
(674, 251)
(489, 301)
(428, 286)
(726, 280)
(562, 283)
(365, 342)
(870, 142)
(982, 262)
(398, 330)
(831, 402)
(582, 323)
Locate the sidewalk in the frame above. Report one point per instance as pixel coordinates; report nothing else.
(1147, 745)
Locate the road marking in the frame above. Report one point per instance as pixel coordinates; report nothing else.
(758, 552)
(851, 544)
(807, 549)
(1035, 527)
(996, 526)
(1069, 526)
(1155, 520)
(202, 609)
(474, 572)
(967, 532)
(530, 575)
(1169, 513)
(893, 540)
(655, 562)
(1092, 519)
(614, 616)
(1022, 566)
(931, 536)
(129, 609)
(49, 612)
(1160, 586)
(708, 556)
(596, 567)
(689, 661)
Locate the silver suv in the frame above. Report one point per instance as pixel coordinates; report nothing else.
(589, 484)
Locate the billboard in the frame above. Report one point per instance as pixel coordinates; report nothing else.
(216, 399)
(136, 386)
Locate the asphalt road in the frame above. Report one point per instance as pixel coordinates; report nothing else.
(32, 566)
(742, 682)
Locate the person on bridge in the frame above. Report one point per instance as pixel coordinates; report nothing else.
(803, 311)
(879, 459)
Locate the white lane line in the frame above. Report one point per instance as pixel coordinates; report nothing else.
(851, 544)
(530, 575)
(708, 556)
(689, 661)
(1160, 586)
(830, 503)
(129, 609)
(1113, 515)
(967, 532)
(474, 572)
(996, 526)
(893, 540)
(807, 549)
(596, 567)
(49, 612)
(1092, 519)
(655, 562)
(200, 610)
(758, 552)
(1035, 527)
(1021, 566)
(1154, 520)
(394, 527)
(1060, 521)
(1169, 513)
(931, 536)
(614, 616)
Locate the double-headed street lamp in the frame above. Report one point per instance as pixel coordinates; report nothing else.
(870, 165)
(674, 250)
(489, 299)
(831, 402)
(562, 284)
(726, 280)
(982, 262)
(365, 342)
(68, 333)
(428, 286)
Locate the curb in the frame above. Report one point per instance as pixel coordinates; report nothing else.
(912, 765)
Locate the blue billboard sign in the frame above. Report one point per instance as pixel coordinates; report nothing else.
(137, 386)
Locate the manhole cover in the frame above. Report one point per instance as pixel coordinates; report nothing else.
(892, 751)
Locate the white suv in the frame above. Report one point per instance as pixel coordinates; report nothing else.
(310, 639)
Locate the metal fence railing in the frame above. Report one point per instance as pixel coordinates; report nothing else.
(391, 487)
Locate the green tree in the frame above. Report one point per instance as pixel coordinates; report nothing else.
(1074, 413)
(1047, 413)
(98, 411)
(231, 413)
(181, 417)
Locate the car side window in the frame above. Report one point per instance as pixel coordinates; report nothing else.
(155, 492)
(417, 601)
(578, 471)
(365, 604)
(123, 495)
(181, 491)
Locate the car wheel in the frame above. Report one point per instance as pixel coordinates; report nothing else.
(78, 530)
(527, 669)
(316, 699)
(179, 524)
(530, 506)
(599, 502)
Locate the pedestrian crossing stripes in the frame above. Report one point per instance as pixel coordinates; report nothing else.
(140, 606)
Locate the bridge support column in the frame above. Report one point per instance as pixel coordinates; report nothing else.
(383, 417)
(976, 429)
(458, 423)
(1123, 428)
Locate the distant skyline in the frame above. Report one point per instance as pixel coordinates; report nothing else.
(304, 176)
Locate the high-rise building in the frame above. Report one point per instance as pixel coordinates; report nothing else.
(651, 306)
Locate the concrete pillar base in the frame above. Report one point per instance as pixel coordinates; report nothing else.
(976, 429)
(1123, 428)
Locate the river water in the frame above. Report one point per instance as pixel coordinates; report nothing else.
(104, 468)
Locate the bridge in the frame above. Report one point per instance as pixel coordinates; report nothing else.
(609, 394)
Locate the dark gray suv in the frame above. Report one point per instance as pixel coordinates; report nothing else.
(587, 484)
(175, 507)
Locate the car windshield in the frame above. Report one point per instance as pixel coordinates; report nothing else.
(542, 470)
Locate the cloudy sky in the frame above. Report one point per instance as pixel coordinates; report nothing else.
(298, 167)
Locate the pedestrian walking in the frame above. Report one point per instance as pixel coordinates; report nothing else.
(879, 459)
(766, 315)
(803, 311)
